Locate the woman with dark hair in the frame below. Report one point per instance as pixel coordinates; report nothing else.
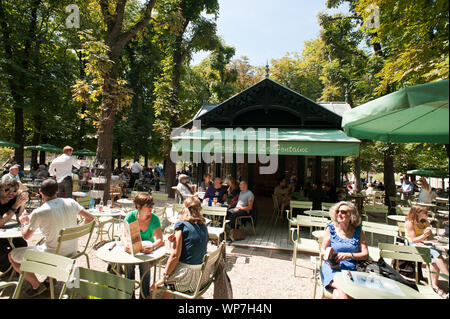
(189, 241)
(418, 229)
(345, 236)
(150, 230)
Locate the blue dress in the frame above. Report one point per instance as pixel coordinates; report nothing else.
(341, 245)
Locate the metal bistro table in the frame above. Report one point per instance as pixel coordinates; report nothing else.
(115, 254)
(106, 212)
(10, 233)
(362, 285)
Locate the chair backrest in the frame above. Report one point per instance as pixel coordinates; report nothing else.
(402, 210)
(45, 264)
(160, 212)
(176, 208)
(209, 269)
(327, 206)
(84, 201)
(408, 253)
(71, 233)
(312, 221)
(381, 229)
(160, 196)
(300, 204)
(104, 285)
(216, 214)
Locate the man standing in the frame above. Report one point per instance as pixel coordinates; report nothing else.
(61, 169)
(54, 215)
(407, 188)
(13, 173)
(136, 170)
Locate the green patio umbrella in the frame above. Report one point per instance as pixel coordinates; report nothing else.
(43, 147)
(4, 143)
(414, 114)
(84, 152)
(428, 172)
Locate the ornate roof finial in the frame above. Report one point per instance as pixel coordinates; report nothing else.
(267, 69)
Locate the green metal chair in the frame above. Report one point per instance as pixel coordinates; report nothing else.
(46, 264)
(276, 207)
(380, 229)
(415, 254)
(327, 206)
(84, 201)
(103, 285)
(376, 210)
(307, 244)
(307, 205)
(218, 221)
(317, 262)
(208, 274)
(160, 196)
(76, 232)
(6, 284)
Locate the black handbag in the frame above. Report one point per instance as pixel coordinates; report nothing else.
(382, 268)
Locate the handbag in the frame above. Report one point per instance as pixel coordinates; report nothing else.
(237, 234)
(382, 268)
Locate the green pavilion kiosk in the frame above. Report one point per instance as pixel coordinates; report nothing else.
(309, 140)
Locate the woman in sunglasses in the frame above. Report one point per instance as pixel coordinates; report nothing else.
(11, 203)
(346, 238)
(418, 229)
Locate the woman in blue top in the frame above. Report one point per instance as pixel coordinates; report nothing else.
(183, 268)
(150, 230)
(346, 237)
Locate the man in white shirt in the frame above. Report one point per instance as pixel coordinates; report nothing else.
(243, 206)
(61, 169)
(136, 170)
(54, 215)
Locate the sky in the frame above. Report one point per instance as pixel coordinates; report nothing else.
(267, 29)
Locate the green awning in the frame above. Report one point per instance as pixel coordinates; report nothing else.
(320, 142)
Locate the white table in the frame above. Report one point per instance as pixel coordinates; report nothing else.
(79, 194)
(106, 212)
(10, 234)
(373, 286)
(114, 253)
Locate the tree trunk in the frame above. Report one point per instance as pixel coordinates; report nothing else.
(170, 174)
(358, 174)
(389, 180)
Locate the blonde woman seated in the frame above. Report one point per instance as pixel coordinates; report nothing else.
(189, 245)
(345, 236)
(418, 229)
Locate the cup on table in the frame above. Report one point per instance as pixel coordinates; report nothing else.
(215, 201)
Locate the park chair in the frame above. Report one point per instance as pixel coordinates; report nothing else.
(251, 216)
(307, 244)
(178, 197)
(327, 206)
(402, 210)
(218, 221)
(6, 284)
(378, 197)
(103, 285)
(317, 270)
(306, 205)
(415, 254)
(208, 274)
(380, 229)
(84, 201)
(115, 191)
(382, 210)
(276, 208)
(160, 196)
(46, 264)
(72, 233)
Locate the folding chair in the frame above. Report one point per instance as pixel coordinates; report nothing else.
(292, 205)
(76, 232)
(46, 264)
(208, 274)
(218, 221)
(103, 285)
(380, 229)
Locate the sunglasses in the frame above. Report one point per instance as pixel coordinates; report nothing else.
(423, 221)
(14, 190)
(344, 212)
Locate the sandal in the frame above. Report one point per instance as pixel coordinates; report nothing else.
(440, 292)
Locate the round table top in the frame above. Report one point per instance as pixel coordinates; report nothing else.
(10, 232)
(373, 286)
(125, 201)
(80, 194)
(443, 212)
(119, 256)
(317, 213)
(425, 204)
(398, 218)
(441, 199)
(106, 212)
